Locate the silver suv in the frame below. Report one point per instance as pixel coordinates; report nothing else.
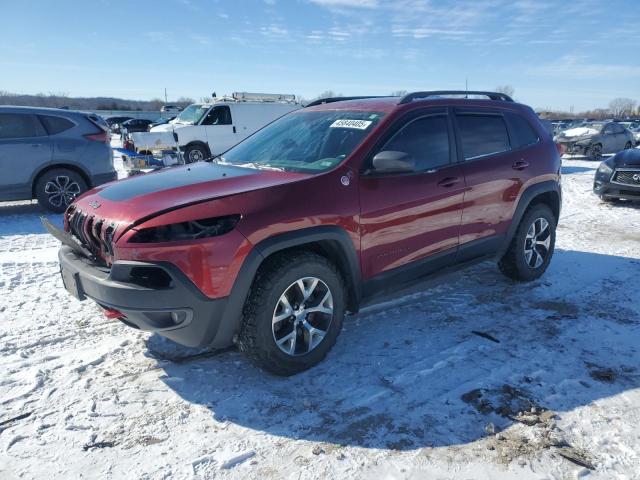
(52, 155)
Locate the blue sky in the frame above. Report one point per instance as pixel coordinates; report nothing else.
(580, 53)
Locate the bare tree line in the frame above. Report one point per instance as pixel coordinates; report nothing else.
(63, 100)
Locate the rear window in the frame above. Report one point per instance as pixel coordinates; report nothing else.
(522, 132)
(18, 125)
(482, 135)
(55, 125)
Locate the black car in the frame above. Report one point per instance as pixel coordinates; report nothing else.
(135, 125)
(619, 177)
(162, 121)
(115, 122)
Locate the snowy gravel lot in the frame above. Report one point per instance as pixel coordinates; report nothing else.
(409, 391)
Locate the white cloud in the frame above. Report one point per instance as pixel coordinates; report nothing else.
(347, 3)
(578, 66)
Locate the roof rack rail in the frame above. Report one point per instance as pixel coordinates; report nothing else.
(441, 93)
(322, 101)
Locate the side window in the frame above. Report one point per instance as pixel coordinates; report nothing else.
(55, 125)
(608, 129)
(425, 139)
(522, 133)
(617, 128)
(482, 135)
(18, 125)
(218, 116)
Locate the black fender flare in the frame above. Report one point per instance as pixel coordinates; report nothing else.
(526, 198)
(335, 236)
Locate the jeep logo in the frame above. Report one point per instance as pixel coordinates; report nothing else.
(95, 204)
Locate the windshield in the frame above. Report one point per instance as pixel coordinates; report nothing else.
(305, 141)
(192, 114)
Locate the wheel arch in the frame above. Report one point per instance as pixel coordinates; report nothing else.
(331, 242)
(56, 166)
(546, 193)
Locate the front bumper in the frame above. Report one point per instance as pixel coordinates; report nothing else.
(573, 148)
(609, 185)
(151, 296)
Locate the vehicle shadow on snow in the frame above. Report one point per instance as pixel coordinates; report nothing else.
(412, 373)
(23, 218)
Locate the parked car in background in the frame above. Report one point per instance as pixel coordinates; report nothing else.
(271, 244)
(52, 155)
(134, 125)
(170, 109)
(162, 121)
(618, 177)
(636, 135)
(206, 129)
(115, 122)
(595, 139)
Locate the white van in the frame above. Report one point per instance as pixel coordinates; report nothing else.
(208, 129)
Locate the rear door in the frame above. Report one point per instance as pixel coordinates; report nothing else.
(25, 148)
(409, 217)
(219, 129)
(494, 174)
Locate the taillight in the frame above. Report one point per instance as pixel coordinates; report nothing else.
(102, 137)
(561, 149)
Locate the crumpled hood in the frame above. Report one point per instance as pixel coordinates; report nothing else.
(143, 196)
(579, 132)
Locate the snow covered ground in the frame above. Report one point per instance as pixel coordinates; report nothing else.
(409, 391)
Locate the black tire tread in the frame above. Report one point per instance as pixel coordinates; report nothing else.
(508, 264)
(256, 302)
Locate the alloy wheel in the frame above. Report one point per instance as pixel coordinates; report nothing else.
(302, 316)
(537, 243)
(596, 152)
(61, 190)
(195, 155)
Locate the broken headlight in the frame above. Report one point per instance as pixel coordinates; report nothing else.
(193, 230)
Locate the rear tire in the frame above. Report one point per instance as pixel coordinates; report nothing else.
(532, 246)
(277, 336)
(57, 188)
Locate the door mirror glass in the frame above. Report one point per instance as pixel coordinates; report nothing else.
(391, 161)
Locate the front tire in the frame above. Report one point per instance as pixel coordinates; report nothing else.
(195, 153)
(532, 246)
(293, 314)
(628, 146)
(57, 188)
(594, 152)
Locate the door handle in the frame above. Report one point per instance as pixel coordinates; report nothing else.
(448, 182)
(234, 129)
(520, 165)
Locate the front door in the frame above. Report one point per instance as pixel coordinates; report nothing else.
(219, 129)
(409, 217)
(24, 149)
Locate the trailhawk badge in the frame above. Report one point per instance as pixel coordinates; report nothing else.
(95, 204)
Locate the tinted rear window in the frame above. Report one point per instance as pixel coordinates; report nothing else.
(482, 135)
(17, 125)
(522, 132)
(55, 125)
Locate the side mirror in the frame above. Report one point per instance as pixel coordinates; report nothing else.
(390, 161)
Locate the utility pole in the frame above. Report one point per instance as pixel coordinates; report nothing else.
(466, 86)
(165, 95)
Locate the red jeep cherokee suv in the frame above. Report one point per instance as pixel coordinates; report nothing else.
(270, 244)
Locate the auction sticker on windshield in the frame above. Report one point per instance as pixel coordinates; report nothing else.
(346, 123)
